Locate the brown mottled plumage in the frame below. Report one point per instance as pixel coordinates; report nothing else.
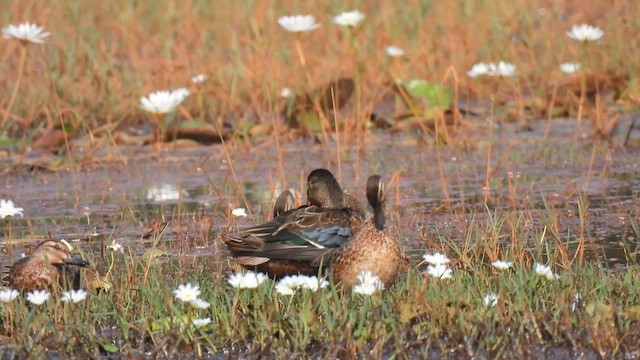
(44, 267)
(371, 248)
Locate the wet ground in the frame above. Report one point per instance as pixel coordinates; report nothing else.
(434, 192)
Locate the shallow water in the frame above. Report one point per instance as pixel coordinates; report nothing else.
(434, 193)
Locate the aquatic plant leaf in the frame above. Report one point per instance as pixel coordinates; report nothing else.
(434, 95)
(310, 121)
(109, 347)
(6, 141)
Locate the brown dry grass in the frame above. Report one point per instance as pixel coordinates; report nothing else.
(103, 55)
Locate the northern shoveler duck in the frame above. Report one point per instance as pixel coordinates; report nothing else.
(371, 249)
(45, 267)
(296, 241)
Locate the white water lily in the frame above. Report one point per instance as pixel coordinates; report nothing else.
(440, 271)
(115, 247)
(74, 296)
(570, 68)
(349, 18)
(478, 69)
(490, 299)
(199, 303)
(502, 68)
(187, 292)
(286, 92)
(298, 23)
(38, 297)
(288, 285)
(201, 322)
(368, 284)
(436, 258)
(8, 295)
(544, 270)
(502, 265)
(163, 102)
(394, 51)
(25, 32)
(248, 280)
(313, 283)
(239, 212)
(8, 208)
(585, 32)
(199, 79)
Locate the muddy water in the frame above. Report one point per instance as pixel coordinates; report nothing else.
(535, 180)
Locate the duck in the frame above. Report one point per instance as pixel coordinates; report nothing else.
(49, 264)
(296, 241)
(371, 248)
(285, 202)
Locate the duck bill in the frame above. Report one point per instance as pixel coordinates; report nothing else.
(77, 262)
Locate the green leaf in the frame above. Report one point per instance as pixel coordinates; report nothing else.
(311, 121)
(434, 95)
(6, 141)
(109, 347)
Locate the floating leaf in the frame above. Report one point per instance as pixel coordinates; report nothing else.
(434, 95)
(310, 121)
(109, 347)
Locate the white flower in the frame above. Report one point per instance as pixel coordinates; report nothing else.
(585, 32)
(490, 299)
(164, 192)
(199, 303)
(570, 68)
(298, 23)
(163, 102)
(502, 265)
(25, 32)
(201, 322)
(545, 271)
(286, 92)
(181, 93)
(239, 212)
(436, 258)
(187, 292)
(502, 69)
(491, 69)
(313, 283)
(74, 296)
(394, 51)
(115, 247)
(441, 271)
(478, 69)
(7, 208)
(248, 280)
(38, 297)
(349, 18)
(369, 283)
(199, 79)
(289, 284)
(8, 295)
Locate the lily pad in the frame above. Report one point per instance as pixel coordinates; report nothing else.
(434, 95)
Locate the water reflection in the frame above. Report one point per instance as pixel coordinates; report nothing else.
(532, 186)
